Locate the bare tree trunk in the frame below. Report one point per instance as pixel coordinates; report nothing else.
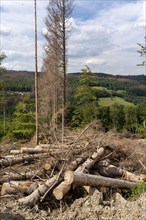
(4, 117)
(36, 73)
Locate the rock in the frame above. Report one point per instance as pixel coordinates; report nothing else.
(119, 199)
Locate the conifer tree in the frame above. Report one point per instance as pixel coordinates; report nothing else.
(142, 52)
(54, 69)
(86, 101)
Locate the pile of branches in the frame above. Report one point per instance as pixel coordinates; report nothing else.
(64, 167)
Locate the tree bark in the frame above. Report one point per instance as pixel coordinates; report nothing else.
(82, 179)
(35, 197)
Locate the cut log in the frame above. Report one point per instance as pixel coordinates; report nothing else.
(132, 177)
(36, 150)
(108, 170)
(61, 190)
(35, 197)
(15, 187)
(22, 176)
(21, 159)
(15, 152)
(32, 188)
(83, 179)
(89, 163)
(82, 168)
(47, 166)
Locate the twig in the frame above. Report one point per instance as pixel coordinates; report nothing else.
(59, 174)
(36, 173)
(144, 167)
(107, 156)
(8, 196)
(51, 175)
(84, 131)
(72, 144)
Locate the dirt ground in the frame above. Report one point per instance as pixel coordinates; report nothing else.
(77, 205)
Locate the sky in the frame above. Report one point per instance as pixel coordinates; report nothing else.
(104, 35)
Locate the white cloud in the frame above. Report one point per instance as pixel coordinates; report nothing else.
(94, 60)
(17, 35)
(112, 37)
(106, 40)
(4, 30)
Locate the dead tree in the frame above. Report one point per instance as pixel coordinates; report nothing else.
(36, 72)
(55, 57)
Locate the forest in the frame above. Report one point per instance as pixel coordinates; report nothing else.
(53, 99)
(118, 102)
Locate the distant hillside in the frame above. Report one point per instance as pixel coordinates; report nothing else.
(30, 74)
(132, 88)
(11, 74)
(106, 75)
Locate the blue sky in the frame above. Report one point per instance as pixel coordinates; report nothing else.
(104, 35)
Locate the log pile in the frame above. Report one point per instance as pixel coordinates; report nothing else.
(57, 176)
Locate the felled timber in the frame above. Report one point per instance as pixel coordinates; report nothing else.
(36, 196)
(83, 179)
(61, 190)
(108, 170)
(64, 187)
(21, 159)
(33, 150)
(14, 187)
(132, 177)
(22, 176)
(89, 163)
(15, 152)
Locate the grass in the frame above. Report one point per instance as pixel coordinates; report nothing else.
(101, 88)
(137, 190)
(110, 101)
(96, 88)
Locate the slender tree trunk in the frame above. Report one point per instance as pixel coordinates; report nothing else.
(4, 117)
(36, 72)
(64, 71)
(4, 111)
